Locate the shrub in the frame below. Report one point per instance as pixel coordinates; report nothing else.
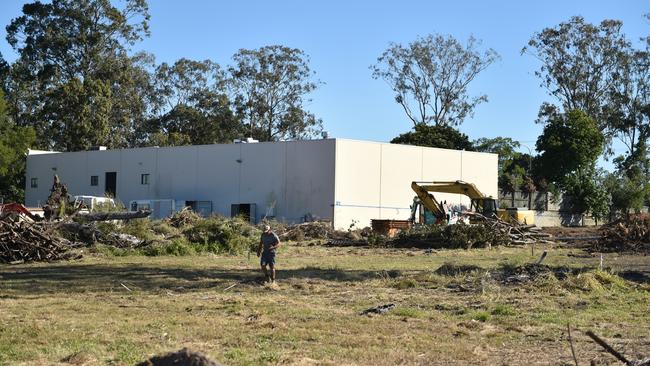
(481, 316)
(223, 235)
(140, 228)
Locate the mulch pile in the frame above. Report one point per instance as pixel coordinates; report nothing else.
(632, 235)
(184, 357)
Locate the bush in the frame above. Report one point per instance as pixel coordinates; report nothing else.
(177, 247)
(223, 235)
(140, 228)
(164, 229)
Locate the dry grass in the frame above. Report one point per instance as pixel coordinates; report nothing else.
(78, 313)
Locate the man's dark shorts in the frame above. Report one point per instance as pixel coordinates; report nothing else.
(268, 258)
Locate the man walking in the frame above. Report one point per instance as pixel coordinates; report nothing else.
(269, 242)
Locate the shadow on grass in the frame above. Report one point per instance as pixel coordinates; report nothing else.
(102, 278)
(635, 276)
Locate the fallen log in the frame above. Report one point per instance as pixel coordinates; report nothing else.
(108, 216)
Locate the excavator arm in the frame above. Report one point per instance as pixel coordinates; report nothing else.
(459, 187)
(428, 201)
(480, 203)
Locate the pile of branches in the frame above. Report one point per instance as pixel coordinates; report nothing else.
(307, 230)
(314, 230)
(515, 232)
(184, 217)
(64, 228)
(24, 241)
(631, 235)
(455, 236)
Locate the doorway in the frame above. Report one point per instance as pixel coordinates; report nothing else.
(111, 184)
(245, 210)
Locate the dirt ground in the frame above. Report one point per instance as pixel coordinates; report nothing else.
(578, 231)
(486, 311)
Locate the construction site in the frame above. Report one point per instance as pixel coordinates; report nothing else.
(206, 183)
(484, 285)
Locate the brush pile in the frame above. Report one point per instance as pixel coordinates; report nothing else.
(23, 241)
(307, 230)
(321, 230)
(516, 233)
(632, 235)
(28, 238)
(183, 218)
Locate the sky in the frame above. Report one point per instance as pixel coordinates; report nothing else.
(343, 38)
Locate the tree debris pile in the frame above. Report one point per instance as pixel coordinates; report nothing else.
(322, 230)
(23, 241)
(631, 235)
(516, 233)
(58, 204)
(529, 272)
(307, 231)
(456, 236)
(183, 357)
(183, 218)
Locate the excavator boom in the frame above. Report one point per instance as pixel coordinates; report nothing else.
(459, 187)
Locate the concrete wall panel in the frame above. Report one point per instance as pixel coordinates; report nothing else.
(385, 193)
(358, 172)
(309, 189)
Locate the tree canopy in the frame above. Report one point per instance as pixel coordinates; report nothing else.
(270, 87)
(430, 77)
(14, 142)
(74, 80)
(444, 137)
(580, 63)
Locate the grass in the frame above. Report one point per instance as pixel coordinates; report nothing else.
(81, 312)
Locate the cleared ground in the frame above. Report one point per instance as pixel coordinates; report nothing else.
(82, 313)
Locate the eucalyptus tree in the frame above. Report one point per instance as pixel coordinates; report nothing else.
(431, 76)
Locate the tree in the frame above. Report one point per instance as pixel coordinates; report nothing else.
(626, 194)
(270, 87)
(4, 71)
(444, 137)
(14, 142)
(569, 143)
(191, 105)
(628, 114)
(74, 81)
(587, 192)
(581, 63)
(505, 147)
(569, 147)
(430, 77)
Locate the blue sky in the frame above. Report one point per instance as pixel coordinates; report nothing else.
(343, 38)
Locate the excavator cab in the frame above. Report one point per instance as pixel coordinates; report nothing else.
(421, 214)
(485, 206)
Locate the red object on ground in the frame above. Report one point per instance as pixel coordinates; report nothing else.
(17, 208)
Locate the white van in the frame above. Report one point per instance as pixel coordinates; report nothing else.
(92, 202)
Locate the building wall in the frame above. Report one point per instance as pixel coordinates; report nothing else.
(346, 181)
(373, 180)
(288, 180)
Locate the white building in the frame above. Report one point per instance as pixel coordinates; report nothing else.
(346, 181)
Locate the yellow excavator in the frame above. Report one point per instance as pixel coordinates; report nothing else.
(432, 211)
